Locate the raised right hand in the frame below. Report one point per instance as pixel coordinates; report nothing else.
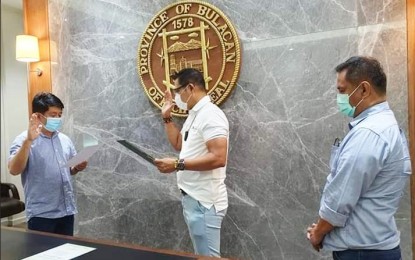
(35, 127)
(168, 104)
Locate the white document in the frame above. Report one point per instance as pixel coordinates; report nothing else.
(64, 252)
(82, 155)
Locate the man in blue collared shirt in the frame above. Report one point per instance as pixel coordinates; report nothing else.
(368, 171)
(39, 155)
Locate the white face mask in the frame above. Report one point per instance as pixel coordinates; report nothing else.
(179, 102)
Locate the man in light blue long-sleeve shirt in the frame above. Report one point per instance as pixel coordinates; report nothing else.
(369, 170)
(40, 155)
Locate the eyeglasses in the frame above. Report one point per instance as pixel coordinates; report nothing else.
(180, 89)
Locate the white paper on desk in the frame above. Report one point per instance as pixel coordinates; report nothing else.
(64, 252)
(82, 155)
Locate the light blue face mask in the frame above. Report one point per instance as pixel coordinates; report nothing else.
(53, 123)
(343, 103)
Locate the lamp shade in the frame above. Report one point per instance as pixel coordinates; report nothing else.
(27, 48)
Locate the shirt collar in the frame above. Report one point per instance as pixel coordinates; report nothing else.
(54, 134)
(201, 103)
(368, 112)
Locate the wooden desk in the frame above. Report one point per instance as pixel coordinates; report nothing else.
(19, 243)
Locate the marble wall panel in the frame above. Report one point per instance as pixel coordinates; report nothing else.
(282, 114)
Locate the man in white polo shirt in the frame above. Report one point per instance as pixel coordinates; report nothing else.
(201, 167)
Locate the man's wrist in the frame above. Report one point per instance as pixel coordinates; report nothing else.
(323, 227)
(179, 164)
(318, 233)
(28, 141)
(167, 120)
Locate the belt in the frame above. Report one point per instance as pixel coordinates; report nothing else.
(183, 192)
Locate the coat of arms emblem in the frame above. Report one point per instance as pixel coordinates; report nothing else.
(189, 34)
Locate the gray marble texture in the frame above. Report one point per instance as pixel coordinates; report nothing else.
(282, 114)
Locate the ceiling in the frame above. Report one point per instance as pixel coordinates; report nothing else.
(13, 3)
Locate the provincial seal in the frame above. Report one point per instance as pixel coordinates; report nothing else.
(189, 34)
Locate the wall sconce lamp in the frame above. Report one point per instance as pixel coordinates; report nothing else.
(27, 50)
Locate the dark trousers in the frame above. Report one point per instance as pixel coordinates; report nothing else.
(63, 226)
(392, 254)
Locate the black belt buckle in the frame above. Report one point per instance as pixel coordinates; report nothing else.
(183, 192)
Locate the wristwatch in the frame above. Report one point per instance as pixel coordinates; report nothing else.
(179, 164)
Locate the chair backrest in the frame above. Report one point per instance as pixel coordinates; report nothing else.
(5, 191)
(9, 190)
(10, 203)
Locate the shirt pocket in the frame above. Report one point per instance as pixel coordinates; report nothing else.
(195, 134)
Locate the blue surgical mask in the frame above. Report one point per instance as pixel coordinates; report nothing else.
(53, 123)
(343, 103)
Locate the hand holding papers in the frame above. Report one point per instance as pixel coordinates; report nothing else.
(168, 165)
(137, 150)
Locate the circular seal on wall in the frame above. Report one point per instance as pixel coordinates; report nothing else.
(189, 34)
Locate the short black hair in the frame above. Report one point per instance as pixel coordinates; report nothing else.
(364, 68)
(189, 75)
(43, 100)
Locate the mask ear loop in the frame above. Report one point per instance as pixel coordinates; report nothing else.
(41, 125)
(189, 96)
(359, 103)
(351, 94)
(354, 91)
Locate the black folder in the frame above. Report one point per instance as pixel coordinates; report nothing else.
(137, 150)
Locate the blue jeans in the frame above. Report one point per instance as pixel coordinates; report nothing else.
(63, 226)
(392, 254)
(204, 226)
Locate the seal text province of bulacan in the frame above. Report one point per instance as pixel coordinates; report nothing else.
(189, 34)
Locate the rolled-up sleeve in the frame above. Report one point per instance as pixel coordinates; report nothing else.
(360, 159)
